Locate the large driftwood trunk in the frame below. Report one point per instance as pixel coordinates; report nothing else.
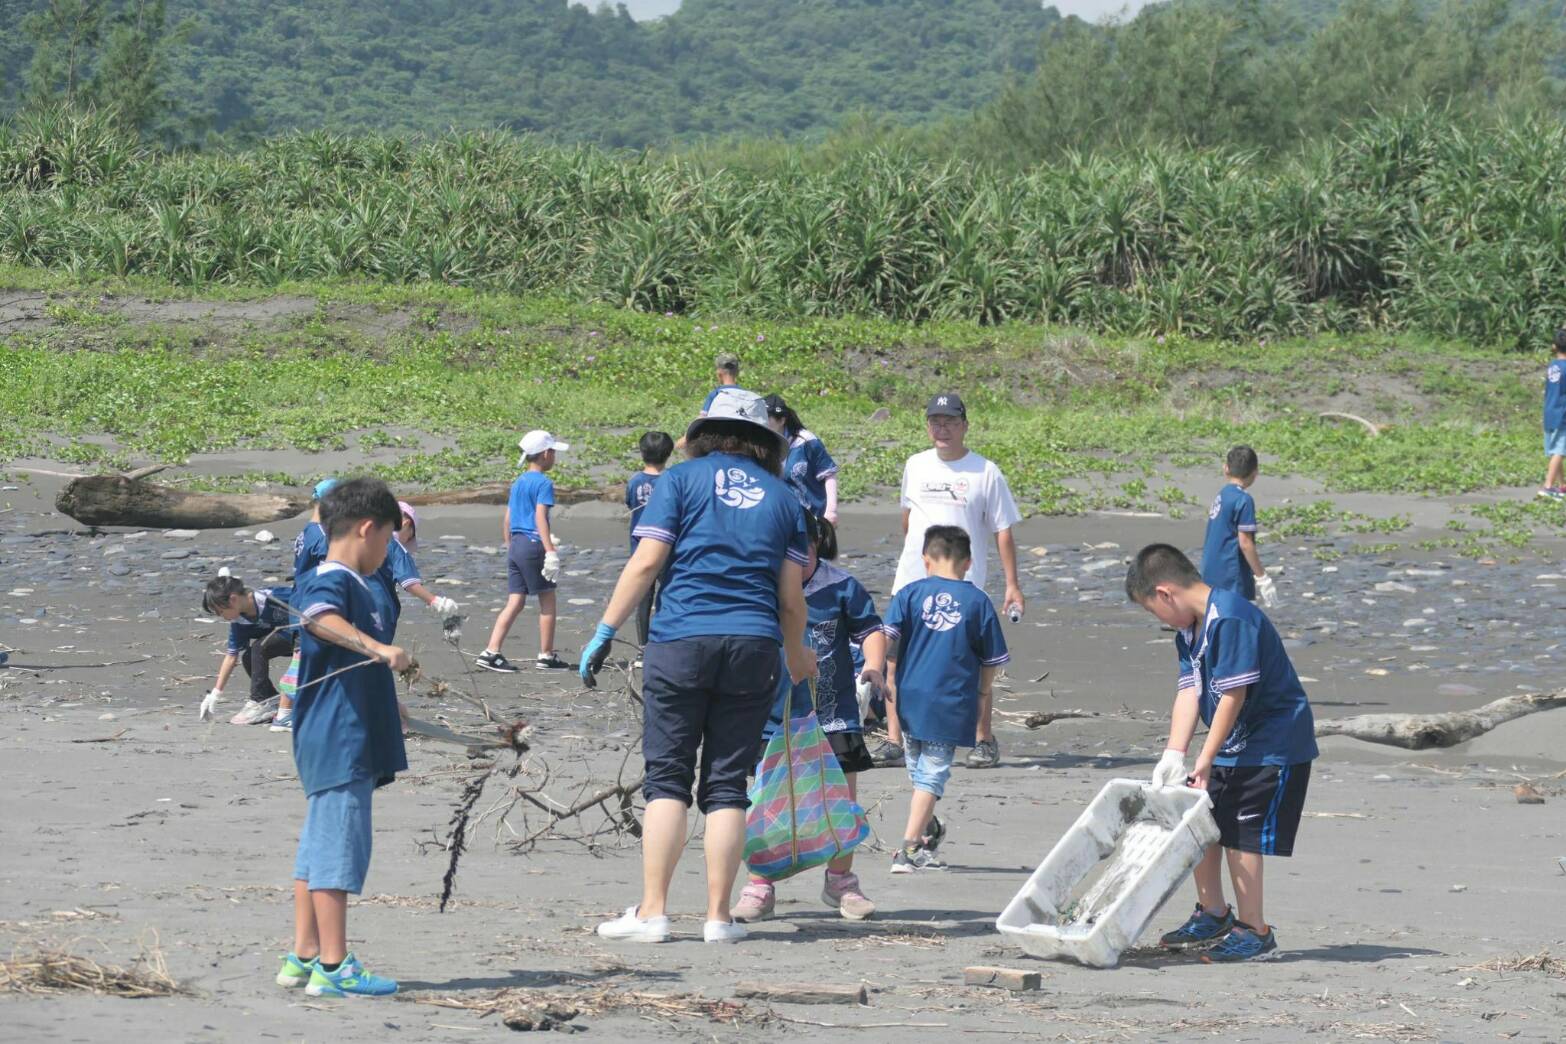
(500, 493)
(118, 500)
(1422, 731)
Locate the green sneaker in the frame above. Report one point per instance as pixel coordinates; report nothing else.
(350, 979)
(295, 973)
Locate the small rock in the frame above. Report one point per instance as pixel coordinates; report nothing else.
(1038, 552)
(177, 553)
(1416, 621)
(881, 416)
(106, 717)
(242, 534)
(581, 601)
(1458, 888)
(1394, 585)
(266, 536)
(1527, 794)
(1379, 672)
(179, 534)
(119, 569)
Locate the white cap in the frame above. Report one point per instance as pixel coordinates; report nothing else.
(734, 404)
(536, 442)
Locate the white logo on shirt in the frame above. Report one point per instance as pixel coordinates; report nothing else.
(377, 618)
(799, 469)
(1212, 512)
(1555, 375)
(644, 493)
(736, 488)
(941, 612)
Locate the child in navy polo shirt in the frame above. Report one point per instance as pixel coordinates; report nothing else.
(532, 560)
(1261, 739)
(260, 630)
(840, 612)
(809, 468)
(1229, 559)
(347, 737)
(1555, 421)
(655, 448)
(946, 645)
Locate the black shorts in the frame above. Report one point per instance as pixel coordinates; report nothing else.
(1258, 807)
(852, 754)
(525, 565)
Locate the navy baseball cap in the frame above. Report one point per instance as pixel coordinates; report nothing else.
(946, 404)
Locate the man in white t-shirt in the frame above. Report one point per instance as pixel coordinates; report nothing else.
(950, 485)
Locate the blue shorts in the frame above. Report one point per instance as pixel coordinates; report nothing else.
(929, 764)
(711, 693)
(334, 846)
(525, 566)
(1555, 442)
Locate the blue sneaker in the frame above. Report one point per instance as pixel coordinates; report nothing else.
(295, 973)
(1202, 928)
(350, 979)
(1242, 944)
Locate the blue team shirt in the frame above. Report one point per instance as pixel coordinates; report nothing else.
(1233, 512)
(808, 467)
(309, 549)
(730, 524)
(399, 571)
(531, 489)
(1235, 645)
(841, 613)
(638, 491)
(272, 614)
(1555, 396)
(346, 727)
(942, 633)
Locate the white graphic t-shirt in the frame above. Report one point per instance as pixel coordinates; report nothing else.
(971, 493)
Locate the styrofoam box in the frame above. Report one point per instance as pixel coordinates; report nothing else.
(1152, 837)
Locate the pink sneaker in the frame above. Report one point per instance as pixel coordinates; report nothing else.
(755, 903)
(842, 891)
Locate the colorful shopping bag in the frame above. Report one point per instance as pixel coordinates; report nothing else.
(801, 813)
(290, 683)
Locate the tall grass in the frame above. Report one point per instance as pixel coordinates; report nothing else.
(1408, 222)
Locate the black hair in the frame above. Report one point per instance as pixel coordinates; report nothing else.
(1241, 462)
(741, 438)
(729, 363)
(534, 458)
(220, 591)
(349, 503)
(824, 537)
(655, 447)
(948, 543)
(1560, 339)
(776, 407)
(1159, 564)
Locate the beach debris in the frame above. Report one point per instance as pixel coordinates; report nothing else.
(1423, 731)
(1527, 794)
(1370, 426)
(1040, 719)
(56, 972)
(265, 536)
(123, 500)
(800, 993)
(1538, 962)
(1004, 978)
(524, 1009)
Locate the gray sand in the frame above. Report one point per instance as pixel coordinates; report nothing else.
(1412, 869)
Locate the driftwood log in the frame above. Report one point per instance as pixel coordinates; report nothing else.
(128, 500)
(495, 493)
(1423, 731)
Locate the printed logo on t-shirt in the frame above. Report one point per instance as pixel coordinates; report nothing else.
(1555, 375)
(644, 493)
(941, 612)
(377, 618)
(736, 488)
(1212, 512)
(798, 471)
(953, 491)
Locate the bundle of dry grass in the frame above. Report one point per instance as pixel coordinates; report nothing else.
(523, 1009)
(55, 972)
(1538, 962)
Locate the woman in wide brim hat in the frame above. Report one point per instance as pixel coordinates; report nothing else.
(728, 537)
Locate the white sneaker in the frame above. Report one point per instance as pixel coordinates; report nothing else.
(256, 712)
(284, 722)
(723, 932)
(632, 928)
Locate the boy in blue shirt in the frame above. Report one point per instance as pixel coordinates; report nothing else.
(1555, 420)
(1261, 740)
(532, 561)
(260, 630)
(655, 448)
(945, 647)
(1229, 559)
(347, 736)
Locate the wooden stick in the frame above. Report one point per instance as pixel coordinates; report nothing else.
(1422, 731)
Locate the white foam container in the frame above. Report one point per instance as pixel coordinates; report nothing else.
(1152, 838)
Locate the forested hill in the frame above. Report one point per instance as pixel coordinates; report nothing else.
(716, 67)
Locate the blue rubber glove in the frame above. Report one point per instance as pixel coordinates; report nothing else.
(594, 655)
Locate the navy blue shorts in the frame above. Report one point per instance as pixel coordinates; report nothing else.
(1258, 807)
(713, 693)
(525, 566)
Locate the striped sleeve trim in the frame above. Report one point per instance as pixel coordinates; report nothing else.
(868, 631)
(798, 557)
(406, 584)
(891, 632)
(315, 609)
(663, 536)
(1187, 681)
(996, 661)
(1236, 681)
(826, 473)
(1244, 528)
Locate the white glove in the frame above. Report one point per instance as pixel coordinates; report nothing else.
(443, 606)
(866, 691)
(208, 702)
(1170, 770)
(551, 570)
(1267, 587)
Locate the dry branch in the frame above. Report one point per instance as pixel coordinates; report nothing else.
(1422, 731)
(1043, 718)
(54, 972)
(1370, 426)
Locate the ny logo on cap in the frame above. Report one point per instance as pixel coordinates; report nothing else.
(942, 401)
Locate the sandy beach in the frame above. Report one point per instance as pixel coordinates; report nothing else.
(130, 827)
